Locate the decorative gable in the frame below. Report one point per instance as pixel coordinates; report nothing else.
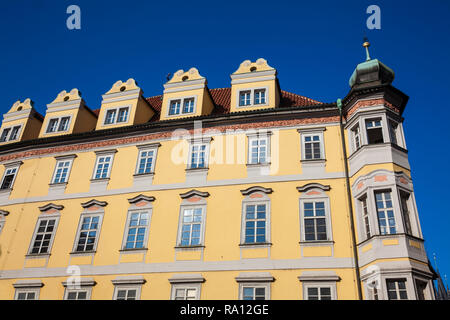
(21, 122)
(254, 85)
(124, 105)
(186, 95)
(68, 114)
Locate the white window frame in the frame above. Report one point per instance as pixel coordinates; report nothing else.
(199, 144)
(44, 217)
(86, 289)
(147, 210)
(366, 225)
(254, 285)
(266, 222)
(83, 215)
(318, 195)
(103, 154)
(153, 148)
(10, 166)
(261, 198)
(397, 289)
(319, 285)
(116, 115)
(391, 193)
(356, 134)
(184, 207)
(69, 159)
(36, 292)
(185, 287)
(182, 101)
(252, 97)
(259, 136)
(58, 122)
(310, 133)
(8, 135)
(127, 287)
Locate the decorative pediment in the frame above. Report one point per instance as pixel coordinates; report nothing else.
(120, 86)
(51, 207)
(141, 198)
(251, 190)
(193, 193)
(94, 203)
(313, 185)
(64, 96)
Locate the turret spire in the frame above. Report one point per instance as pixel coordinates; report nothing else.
(366, 45)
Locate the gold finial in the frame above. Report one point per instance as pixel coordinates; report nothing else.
(366, 45)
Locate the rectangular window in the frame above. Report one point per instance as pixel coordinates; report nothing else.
(8, 178)
(146, 160)
(198, 156)
(356, 132)
(255, 223)
(374, 131)
(396, 289)
(312, 146)
(52, 125)
(137, 230)
(5, 134)
(103, 167)
(421, 289)
(62, 169)
(244, 98)
(191, 228)
(319, 293)
(126, 294)
(185, 293)
(385, 212)
(89, 229)
(43, 236)
(188, 105)
(365, 216)
(174, 107)
(393, 132)
(14, 133)
(64, 124)
(26, 295)
(404, 199)
(76, 295)
(260, 96)
(258, 151)
(110, 116)
(315, 220)
(123, 115)
(253, 293)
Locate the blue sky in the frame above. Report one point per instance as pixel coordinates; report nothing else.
(314, 45)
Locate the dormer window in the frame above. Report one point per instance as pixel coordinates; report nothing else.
(253, 97)
(187, 103)
(244, 98)
(58, 124)
(119, 115)
(10, 134)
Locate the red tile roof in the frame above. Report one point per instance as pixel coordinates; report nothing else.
(222, 100)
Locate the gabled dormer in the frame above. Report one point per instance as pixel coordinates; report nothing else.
(21, 122)
(124, 105)
(186, 95)
(254, 85)
(67, 114)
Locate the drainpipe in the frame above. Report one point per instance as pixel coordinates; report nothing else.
(350, 205)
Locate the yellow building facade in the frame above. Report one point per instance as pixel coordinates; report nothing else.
(198, 193)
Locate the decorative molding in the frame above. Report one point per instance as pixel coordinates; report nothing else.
(51, 206)
(126, 280)
(313, 185)
(255, 277)
(194, 192)
(102, 152)
(28, 284)
(251, 190)
(141, 197)
(187, 278)
(148, 145)
(94, 202)
(319, 276)
(83, 282)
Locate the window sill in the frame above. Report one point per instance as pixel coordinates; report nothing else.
(316, 243)
(37, 255)
(313, 160)
(262, 164)
(197, 169)
(149, 174)
(99, 179)
(189, 247)
(255, 245)
(134, 250)
(82, 253)
(56, 184)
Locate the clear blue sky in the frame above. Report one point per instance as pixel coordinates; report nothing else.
(314, 45)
